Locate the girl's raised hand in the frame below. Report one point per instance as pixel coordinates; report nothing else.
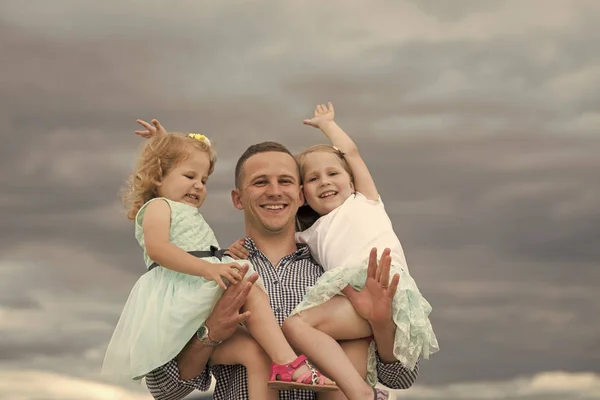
(230, 272)
(237, 251)
(154, 129)
(323, 114)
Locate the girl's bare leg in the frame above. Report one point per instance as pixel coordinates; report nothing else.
(263, 326)
(357, 351)
(314, 332)
(242, 349)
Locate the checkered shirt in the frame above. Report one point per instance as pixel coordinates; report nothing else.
(286, 285)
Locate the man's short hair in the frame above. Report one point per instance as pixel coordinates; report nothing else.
(258, 148)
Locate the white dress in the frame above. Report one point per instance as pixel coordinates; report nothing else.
(341, 242)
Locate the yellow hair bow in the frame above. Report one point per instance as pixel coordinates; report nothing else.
(199, 137)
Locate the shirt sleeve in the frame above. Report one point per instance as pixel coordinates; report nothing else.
(396, 375)
(164, 382)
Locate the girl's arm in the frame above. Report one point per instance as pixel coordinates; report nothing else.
(324, 120)
(156, 224)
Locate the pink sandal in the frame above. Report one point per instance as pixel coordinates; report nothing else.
(281, 377)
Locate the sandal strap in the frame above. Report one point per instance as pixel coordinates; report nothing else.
(298, 362)
(305, 377)
(316, 377)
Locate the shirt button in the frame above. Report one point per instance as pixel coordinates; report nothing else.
(278, 309)
(276, 283)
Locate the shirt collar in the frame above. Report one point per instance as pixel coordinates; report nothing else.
(301, 252)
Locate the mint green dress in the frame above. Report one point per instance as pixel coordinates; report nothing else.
(165, 308)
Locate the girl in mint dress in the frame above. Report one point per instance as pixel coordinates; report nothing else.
(187, 275)
(348, 220)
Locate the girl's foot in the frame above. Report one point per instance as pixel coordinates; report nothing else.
(299, 374)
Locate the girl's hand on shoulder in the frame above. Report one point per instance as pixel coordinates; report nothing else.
(237, 251)
(152, 130)
(323, 115)
(231, 272)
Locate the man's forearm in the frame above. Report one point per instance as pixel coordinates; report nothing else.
(384, 335)
(391, 372)
(192, 360)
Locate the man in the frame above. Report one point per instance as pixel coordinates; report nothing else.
(268, 191)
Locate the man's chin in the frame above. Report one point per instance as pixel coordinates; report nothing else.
(275, 226)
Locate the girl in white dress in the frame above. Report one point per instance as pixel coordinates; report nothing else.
(350, 220)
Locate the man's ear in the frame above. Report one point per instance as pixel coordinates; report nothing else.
(236, 199)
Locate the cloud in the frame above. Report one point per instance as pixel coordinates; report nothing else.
(545, 385)
(477, 120)
(42, 385)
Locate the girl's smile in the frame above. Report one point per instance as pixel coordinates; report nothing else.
(326, 183)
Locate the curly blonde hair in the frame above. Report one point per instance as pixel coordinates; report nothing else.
(157, 158)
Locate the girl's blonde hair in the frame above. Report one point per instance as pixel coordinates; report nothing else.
(157, 158)
(306, 216)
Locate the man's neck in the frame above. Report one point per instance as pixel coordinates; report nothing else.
(274, 247)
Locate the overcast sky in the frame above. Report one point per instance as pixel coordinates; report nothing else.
(479, 120)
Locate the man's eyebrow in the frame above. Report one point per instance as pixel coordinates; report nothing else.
(263, 176)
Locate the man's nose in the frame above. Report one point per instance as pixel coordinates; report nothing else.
(274, 189)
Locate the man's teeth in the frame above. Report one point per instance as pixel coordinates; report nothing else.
(274, 207)
(327, 194)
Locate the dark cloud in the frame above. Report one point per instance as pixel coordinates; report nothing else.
(482, 141)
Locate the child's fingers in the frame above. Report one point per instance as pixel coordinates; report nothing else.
(239, 250)
(220, 282)
(233, 273)
(233, 253)
(160, 130)
(244, 252)
(232, 276)
(144, 124)
(227, 275)
(236, 271)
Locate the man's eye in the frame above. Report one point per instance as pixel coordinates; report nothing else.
(260, 183)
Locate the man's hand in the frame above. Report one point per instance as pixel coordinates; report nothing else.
(156, 129)
(225, 317)
(374, 301)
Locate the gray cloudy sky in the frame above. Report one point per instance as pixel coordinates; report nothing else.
(479, 119)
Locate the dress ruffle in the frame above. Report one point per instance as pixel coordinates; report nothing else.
(164, 310)
(410, 310)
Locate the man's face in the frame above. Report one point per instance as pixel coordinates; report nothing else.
(270, 193)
